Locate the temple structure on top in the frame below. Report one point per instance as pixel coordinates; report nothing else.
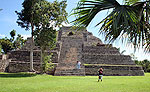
(77, 45)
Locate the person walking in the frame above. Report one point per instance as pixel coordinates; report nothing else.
(100, 74)
(78, 64)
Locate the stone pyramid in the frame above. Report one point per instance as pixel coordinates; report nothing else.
(72, 46)
(93, 54)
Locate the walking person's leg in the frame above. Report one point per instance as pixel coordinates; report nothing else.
(98, 78)
(101, 77)
(77, 66)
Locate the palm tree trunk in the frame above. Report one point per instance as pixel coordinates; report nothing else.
(31, 50)
(41, 61)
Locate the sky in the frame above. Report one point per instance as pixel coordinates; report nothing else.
(8, 19)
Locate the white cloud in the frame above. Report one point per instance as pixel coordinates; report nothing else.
(2, 36)
(26, 36)
(139, 53)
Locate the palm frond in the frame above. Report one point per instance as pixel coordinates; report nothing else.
(128, 20)
(87, 10)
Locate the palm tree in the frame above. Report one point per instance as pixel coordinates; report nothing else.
(131, 21)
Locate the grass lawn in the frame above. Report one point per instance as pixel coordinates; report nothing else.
(23, 82)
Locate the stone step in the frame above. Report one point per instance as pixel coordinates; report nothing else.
(115, 70)
(26, 60)
(101, 51)
(69, 72)
(19, 62)
(99, 48)
(25, 57)
(107, 59)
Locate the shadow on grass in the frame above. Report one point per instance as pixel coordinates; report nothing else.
(16, 75)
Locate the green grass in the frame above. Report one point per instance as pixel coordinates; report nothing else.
(24, 82)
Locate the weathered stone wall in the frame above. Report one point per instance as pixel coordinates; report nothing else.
(91, 40)
(114, 70)
(20, 61)
(70, 53)
(70, 50)
(24, 56)
(104, 55)
(103, 49)
(108, 59)
(15, 67)
(4, 62)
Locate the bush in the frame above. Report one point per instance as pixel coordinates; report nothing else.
(145, 64)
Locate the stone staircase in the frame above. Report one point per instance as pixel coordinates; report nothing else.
(70, 72)
(102, 49)
(70, 53)
(109, 58)
(105, 55)
(114, 70)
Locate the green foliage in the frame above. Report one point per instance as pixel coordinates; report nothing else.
(41, 12)
(19, 42)
(47, 64)
(27, 18)
(48, 83)
(46, 38)
(41, 15)
(0, 49)
(12, 43)
(6, 44)
(145, 64)
(127, 22)
(12, 34)
(50, 15)
(130, 2)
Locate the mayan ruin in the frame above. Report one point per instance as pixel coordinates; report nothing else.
(73, 46)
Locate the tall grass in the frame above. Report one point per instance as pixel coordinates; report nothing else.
(48, 83)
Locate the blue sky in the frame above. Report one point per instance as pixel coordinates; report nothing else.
(8, 19)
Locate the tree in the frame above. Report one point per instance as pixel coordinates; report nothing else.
(124, 20)
(37, 14)
(145, 64)
(0, 49)
(27, 19)
(19, 42)
(11, 43)
(51, 15)
(46, 39)
(6, 44)
(12, 34)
